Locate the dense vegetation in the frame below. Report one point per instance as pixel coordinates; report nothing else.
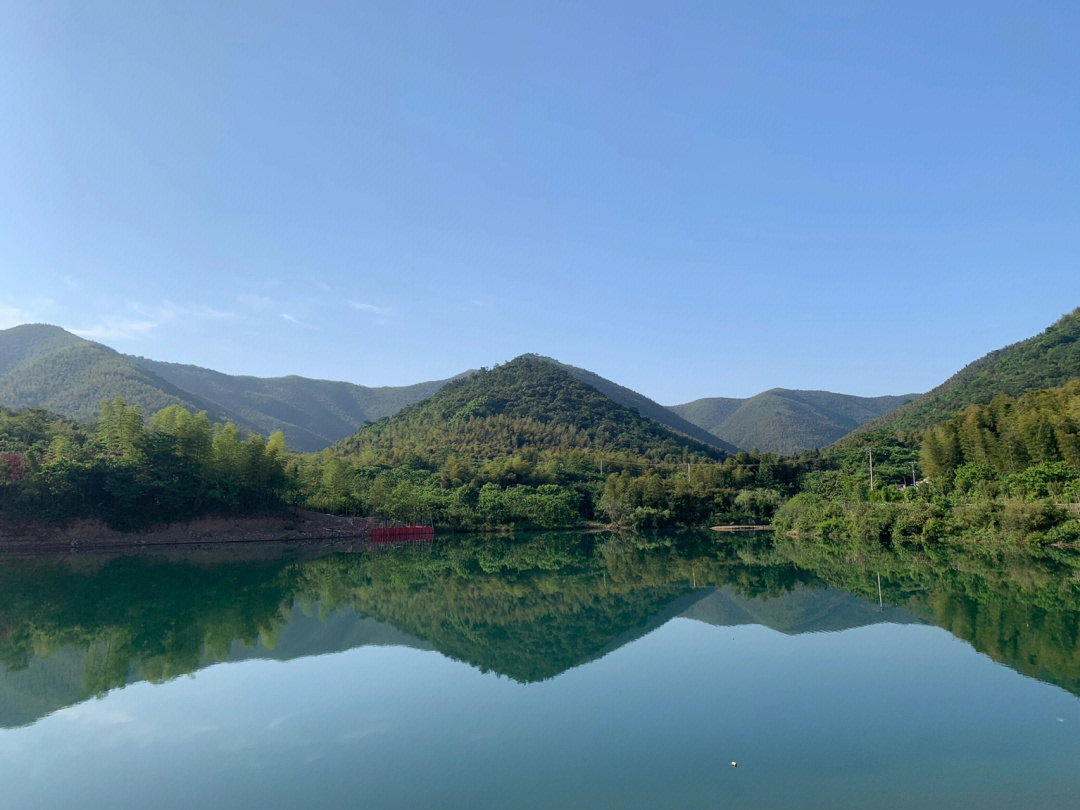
(1007, 472)
(786, 422)
(129, 472)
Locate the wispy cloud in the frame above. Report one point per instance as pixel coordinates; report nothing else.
(13, 316)
(294, 320)
(361, 306)
(117, 329)
(149, 318)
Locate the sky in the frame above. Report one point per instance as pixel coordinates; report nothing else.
(692, 199)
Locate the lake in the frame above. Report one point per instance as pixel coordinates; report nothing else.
(541, 671)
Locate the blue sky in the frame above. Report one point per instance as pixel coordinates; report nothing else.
(691, 199)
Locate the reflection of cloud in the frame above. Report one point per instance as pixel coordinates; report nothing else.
(94, 713)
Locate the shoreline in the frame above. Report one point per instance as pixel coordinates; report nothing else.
(296, 526)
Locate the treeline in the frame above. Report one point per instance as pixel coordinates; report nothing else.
(129, 471)
(549, 490)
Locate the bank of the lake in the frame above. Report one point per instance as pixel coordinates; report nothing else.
(291, 525)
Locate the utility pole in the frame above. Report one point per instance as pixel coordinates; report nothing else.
(601, 465)
(871, 469)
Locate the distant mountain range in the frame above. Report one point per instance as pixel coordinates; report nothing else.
(783, 421)
(46, 366)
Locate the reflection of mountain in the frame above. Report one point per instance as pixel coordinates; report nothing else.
(527, 609)
(60, 679)
(801, 610)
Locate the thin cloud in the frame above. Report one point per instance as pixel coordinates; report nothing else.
(151, 317)
(118, 329)
(294, 320)
(361, 306)
(13, 316)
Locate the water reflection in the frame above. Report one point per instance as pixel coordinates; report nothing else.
(528, 608)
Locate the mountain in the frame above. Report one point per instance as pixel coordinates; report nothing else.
(312, 413)
(528, 403)
(46, 366)
(646, 407)
(1048, 360)
(784, 421)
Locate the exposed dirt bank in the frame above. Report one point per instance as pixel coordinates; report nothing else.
(298, 525)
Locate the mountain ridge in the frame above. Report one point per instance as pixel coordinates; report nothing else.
(1046, 360)
(786, 421)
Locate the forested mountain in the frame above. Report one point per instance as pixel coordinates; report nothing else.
(313, 414)
(1048, 360)
(647, 407)
(528, 404)
(785, 421)
(48, 367)
(45, 366)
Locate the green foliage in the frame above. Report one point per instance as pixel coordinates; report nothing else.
(129, 473)
(1008, 435)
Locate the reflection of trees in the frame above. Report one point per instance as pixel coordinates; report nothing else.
(526, 608)
(1022, 610)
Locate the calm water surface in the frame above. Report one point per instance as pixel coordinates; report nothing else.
(547, 671)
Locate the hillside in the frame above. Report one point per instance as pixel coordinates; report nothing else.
(646, 407)
(528, 403)
(313, 414)
(1048, 360)
(785, 421)
(45, 366)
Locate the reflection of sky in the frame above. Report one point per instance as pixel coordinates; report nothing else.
(885, 715)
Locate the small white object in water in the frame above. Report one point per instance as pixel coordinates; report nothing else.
(734, 764)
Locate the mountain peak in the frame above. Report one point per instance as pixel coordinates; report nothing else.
(527, 403)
